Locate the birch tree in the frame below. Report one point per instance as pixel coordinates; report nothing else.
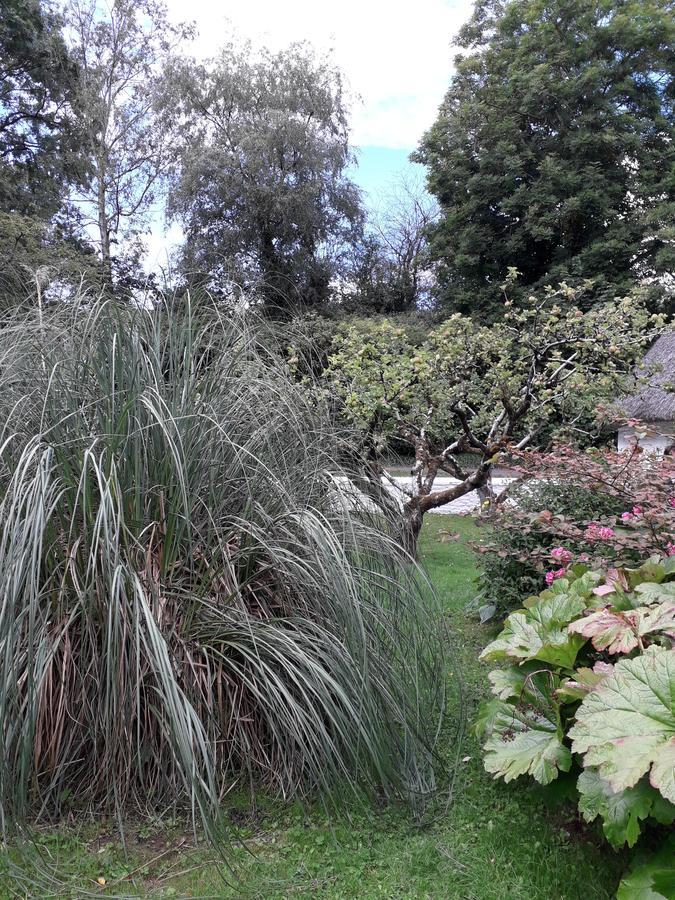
(120, 50)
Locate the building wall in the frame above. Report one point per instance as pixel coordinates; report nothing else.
(659, 437)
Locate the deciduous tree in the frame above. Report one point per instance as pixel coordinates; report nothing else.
(263, 193)
(466, 388)
(121, 50)
(391, 268)
(37, 142)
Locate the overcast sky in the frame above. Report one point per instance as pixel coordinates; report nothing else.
(396, 55)
(397, 58)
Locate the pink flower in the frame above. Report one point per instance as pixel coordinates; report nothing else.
(562, 555)
(670, 548)
(551, 576)
(637, 510)
(672, 501)
(596, 532)
(627, 516)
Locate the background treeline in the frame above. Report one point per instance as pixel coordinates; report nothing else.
(553, 154)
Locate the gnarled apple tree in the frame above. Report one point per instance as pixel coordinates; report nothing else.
(461, 390)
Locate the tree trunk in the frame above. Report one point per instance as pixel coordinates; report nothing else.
(486, 495)
(411, 526)
(104, 231)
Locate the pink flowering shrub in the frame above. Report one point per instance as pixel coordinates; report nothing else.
(551, 576)
(561, 555)
(602, 508)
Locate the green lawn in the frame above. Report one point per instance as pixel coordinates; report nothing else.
(492, 842)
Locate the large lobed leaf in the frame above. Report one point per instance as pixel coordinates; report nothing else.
(626, 726)
(621, 811)
(652, 877)
(623, 631)
(525, 742)
(523, 728)
(540, 632)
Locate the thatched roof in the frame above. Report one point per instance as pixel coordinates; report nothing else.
(654, 401)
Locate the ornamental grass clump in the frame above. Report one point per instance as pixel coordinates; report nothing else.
(186, 605)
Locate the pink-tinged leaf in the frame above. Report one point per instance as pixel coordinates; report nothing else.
(611, 631)
(658, 618)
(603, 590)
(620, 632)
(603, 668)
(626, 728)
(585, 681)
(617, 576)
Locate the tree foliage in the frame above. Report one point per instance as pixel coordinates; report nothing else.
(38, 140)
(391, 269)
(36, 85)
(462, 387)
(120, 50)
(263, 194)
(553, 148)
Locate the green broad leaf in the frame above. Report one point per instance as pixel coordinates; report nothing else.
(584, 585)
(581, 586)
(579, 569)
(509, 683)
(540, 632)
(656, 593)
(652, 876)
(621, 811)
(488, 714)
(626, 726)
(527, 683)
(651, 571)
(525, 742)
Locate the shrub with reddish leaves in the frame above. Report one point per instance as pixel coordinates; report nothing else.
(601, 507)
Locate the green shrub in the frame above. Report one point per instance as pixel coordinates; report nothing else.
(587, 688)
(185, 604)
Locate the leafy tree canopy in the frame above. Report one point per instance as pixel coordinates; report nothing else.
(121, 48)
(36, 78)
(38, 151)
(554, 148)
(262, 194)
(465, 388)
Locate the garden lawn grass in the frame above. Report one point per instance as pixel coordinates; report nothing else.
(494, 842)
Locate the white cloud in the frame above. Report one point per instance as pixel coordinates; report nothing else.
(396, 55)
